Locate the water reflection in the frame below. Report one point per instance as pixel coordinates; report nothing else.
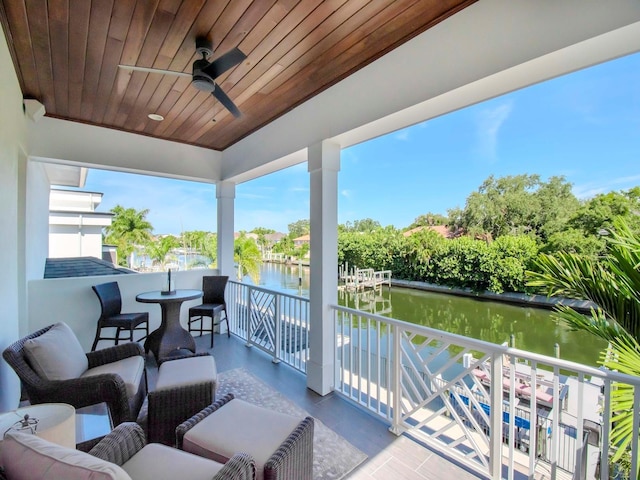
(533, 329)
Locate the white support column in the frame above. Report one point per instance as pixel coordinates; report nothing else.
(324, 164)
(225, 195)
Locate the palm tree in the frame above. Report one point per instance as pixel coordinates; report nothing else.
(210, 248)
(158, 251)
(247, 256)
(613, 284)
(193, 241)
(128, 228)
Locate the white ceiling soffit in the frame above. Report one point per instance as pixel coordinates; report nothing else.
(65, 175)
(74, 143)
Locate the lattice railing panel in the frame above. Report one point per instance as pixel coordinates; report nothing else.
(263, 319)
(441, 400)
(275, 322)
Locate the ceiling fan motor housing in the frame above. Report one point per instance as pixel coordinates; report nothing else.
(204, 46)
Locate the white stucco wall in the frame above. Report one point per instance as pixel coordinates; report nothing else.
(71, 300)
(37, 221)
(72, 241)
(12, 152)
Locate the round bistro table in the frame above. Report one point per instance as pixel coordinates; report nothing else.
(170, 336)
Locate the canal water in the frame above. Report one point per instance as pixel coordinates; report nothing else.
(534, 329)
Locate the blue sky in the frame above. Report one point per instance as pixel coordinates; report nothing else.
(584, 126)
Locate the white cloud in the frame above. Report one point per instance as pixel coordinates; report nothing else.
(584, 192)
(252, 196)
(622, 180)
(402, 135)
(592, 189)
(346, 193)
(489, 123)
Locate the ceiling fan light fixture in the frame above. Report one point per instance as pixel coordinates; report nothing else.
(203, 83)
(155, 117)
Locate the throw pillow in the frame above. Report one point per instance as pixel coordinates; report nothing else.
(26, 456)
(57, 354)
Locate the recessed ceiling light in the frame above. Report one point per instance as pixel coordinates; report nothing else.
(156, 117)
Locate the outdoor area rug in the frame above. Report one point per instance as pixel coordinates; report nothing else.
(333, 456)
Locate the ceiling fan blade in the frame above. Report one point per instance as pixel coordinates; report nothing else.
(224, 99)
(154, 70)
(225, 62)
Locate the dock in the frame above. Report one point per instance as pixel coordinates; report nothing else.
(364, 278)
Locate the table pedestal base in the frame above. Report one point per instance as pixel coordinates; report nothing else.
(170, 336)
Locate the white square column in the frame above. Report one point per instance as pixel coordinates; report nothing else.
(225, 196)
(324, 165)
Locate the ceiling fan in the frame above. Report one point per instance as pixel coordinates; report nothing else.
(205, 72)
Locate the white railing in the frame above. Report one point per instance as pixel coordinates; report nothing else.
(275, 322)
(436, 387)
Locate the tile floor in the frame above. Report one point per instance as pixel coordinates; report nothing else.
(389, 456)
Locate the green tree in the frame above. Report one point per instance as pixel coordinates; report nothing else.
(597, 214)
(285, 246)
(301, 251)
(555, 204)
(299, 228)
(500, 206)
(128, 228)
(429, 220)
(193, 240)
(210, 248)
(262, 241)
(515, 205)
(247, 257)
(613, 285)
(159, 250)
(574, 240)
(262, 231)
(366, 225)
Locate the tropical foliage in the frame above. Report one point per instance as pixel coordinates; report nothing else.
(427, 256)
(247, 258)
(159, 250)
(128, 228)
(210, 248)
(613, 284)
(497, 235)
(285, 246)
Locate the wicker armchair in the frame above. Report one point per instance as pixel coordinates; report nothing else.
(85, 391)
(292, 459)
(123, 453)
(128, 439)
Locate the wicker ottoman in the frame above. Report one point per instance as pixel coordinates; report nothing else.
(282, 445)
(185, 386)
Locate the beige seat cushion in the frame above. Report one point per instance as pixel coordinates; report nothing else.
(27, 457)
(240, 427)
(56, 354)
(159, 462)
(187, 371)
(130, 369)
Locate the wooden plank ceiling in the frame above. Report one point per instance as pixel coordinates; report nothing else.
(66, 54)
